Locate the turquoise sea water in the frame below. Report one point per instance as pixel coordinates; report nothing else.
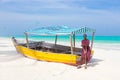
(104, 42)
(97, 39)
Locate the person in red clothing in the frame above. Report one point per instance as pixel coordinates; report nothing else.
(86, 52)
(85, 48)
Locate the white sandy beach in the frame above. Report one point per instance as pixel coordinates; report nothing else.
(104, 65)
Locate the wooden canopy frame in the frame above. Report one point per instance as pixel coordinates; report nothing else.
(83, 30)
(72, 37)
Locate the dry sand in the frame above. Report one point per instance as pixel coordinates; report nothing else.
(104, 65)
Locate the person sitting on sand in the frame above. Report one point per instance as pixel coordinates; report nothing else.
(86, 52)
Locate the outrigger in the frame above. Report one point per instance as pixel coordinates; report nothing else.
(53, 52)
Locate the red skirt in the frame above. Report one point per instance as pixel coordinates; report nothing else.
(88, 55)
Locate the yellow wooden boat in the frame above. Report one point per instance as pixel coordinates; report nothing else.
(53, 52)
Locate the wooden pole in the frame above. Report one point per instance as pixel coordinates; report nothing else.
(92, 40)
(56, 39)
(71, 43)
(26, 35)
(74, 40)
(55, 43)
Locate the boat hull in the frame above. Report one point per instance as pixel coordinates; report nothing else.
(48, 56)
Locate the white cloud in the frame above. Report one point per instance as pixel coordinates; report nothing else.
(55, 10)
(24, 13)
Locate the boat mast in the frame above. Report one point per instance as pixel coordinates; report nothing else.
(26, 35)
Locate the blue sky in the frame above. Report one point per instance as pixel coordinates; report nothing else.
(16, 16)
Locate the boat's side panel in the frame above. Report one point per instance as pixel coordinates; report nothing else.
(48, 56)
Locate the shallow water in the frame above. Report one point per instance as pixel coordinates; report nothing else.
(104, 42)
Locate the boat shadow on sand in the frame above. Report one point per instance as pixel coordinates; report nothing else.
(94, 61)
